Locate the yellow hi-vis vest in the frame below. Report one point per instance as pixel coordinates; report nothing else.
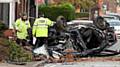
(21, 27)
(40, 27)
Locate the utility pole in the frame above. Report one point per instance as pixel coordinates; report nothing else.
(36, 2)
(28, 8)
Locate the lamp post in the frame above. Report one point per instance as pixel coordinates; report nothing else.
(37, 9)
(38, 2)
(28, 8)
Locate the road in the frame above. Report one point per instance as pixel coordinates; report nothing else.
(116, 46)
(87, 64)
(92, 64)
(80, 64)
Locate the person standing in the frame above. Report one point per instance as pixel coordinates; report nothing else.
(22, 24)
(40, 31)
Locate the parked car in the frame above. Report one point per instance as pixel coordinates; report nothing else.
(116, 25)
(108, 17)
(114, 14)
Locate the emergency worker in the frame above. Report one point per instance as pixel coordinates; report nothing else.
(40, 30)
(21, 26)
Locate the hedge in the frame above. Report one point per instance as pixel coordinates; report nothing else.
(80, 15)
(53, 11)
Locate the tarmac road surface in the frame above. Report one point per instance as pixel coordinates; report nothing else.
(87, 64)
(92, 64)
(116, 46)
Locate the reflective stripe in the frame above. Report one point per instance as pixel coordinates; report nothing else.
(35, 25)
(42, 21)
(42, 24)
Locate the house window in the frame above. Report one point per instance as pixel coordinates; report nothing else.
(4, 13)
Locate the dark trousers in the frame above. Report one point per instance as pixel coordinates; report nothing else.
(40, 41)
(21, 41)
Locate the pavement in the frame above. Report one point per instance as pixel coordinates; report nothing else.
(10, 65)
(73, 64)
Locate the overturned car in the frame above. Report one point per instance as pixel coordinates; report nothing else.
(86, 40)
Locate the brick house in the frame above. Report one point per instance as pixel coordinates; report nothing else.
(21, 7)
(10, 10)
(27, 6)
(7, 11)
(111, 5)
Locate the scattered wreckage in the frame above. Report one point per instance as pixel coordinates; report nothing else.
(79, 42)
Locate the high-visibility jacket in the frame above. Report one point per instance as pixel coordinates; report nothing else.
(21, 27)
(40, 27)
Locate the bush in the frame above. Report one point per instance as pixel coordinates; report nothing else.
(12, 52)
(2, 27)
(18, 54)
(4, 49)
(80, 15)
(53, 11)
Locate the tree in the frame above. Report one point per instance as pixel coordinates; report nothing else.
(84, 4)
